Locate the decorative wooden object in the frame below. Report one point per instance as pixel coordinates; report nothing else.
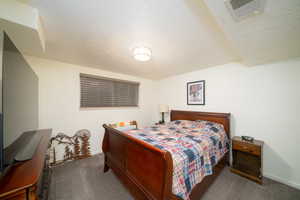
(247, 158)
(22, 180)
(76, 147)
(147, 171)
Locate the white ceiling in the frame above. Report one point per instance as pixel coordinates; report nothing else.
(184, 35)
(271, 36)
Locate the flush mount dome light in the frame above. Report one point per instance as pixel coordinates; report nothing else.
(142, 54)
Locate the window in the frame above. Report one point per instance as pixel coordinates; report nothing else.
(105, 92)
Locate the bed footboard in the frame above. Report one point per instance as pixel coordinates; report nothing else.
(131, 159)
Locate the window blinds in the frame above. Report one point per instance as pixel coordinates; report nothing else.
(105, 92)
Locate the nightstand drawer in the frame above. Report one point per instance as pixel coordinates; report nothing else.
(246, 147)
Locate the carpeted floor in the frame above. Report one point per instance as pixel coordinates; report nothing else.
(85, 180)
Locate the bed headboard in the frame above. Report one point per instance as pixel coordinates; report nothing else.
(222, 118)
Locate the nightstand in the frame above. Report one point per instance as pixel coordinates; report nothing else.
(247, 158)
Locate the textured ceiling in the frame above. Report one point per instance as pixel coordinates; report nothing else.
(184, 35)
(267, 37)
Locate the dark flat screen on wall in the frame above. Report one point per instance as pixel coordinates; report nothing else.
(19, 95)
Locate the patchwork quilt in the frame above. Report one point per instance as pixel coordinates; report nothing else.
(195, 146)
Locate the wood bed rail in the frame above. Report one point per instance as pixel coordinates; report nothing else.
(145, 170)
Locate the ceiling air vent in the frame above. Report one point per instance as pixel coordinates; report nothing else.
(241, 9)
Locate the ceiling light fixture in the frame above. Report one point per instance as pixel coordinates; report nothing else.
(142, 54)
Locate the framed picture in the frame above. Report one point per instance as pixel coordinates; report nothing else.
(196, 93)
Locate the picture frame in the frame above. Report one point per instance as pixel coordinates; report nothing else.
(196, 93)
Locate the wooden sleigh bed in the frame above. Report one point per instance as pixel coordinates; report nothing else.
(147, 171)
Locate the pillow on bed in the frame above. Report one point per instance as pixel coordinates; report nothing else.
(183, 123)
(213, 126)
(205, 122)
(126, 128)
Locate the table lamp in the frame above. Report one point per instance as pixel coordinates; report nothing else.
(163, 109)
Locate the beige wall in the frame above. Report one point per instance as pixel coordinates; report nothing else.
(264, 102)
(59, 89)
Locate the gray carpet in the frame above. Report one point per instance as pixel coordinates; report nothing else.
(85, 180)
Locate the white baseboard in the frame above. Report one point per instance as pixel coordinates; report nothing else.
(280, 180)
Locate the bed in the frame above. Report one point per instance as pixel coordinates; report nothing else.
(147, 170)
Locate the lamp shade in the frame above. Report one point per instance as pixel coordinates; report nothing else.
(163, 108)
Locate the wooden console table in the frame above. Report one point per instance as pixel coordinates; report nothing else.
(21, 181)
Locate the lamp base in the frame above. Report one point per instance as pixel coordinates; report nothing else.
(162, 118)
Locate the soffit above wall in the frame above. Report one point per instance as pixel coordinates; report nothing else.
(22, 23)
